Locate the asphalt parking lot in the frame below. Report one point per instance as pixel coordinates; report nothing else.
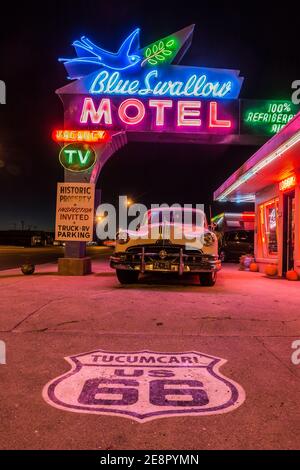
(246, 319)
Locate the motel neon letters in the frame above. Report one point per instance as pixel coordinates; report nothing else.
(159, 113)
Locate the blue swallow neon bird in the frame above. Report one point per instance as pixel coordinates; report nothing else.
(90, 57)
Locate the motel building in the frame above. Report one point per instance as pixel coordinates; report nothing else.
(271, 179)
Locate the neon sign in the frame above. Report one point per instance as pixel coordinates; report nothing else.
(287, 183)
(213, 119)
(188, 84)
(144, 89)
(170, 115)
(90, 57)
(160, 51)
(77, 157)
(66, 135)
(267, 117)
(148, 71)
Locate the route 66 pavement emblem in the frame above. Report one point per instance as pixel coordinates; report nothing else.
(144, 385)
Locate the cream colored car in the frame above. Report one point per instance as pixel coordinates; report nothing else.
(172, 240)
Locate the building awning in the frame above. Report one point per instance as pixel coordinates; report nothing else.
(276, 160)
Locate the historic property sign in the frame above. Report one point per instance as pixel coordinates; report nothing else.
(75, 212)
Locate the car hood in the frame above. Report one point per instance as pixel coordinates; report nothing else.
(176, 234)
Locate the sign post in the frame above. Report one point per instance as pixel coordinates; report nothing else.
(74, 224)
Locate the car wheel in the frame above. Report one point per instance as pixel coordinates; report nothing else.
(208, 279)
(127, 277)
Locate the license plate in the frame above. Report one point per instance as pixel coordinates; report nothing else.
(162, 265)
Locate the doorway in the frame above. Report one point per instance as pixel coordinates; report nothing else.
(288, 231)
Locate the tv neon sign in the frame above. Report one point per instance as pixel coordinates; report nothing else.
(77, 157)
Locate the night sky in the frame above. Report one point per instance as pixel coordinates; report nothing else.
(260, 41)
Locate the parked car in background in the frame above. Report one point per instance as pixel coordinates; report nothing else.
(236, 243)
(235, 232)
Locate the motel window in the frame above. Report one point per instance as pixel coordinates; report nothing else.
(269, 227)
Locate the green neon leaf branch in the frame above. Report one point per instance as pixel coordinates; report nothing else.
(159, 52)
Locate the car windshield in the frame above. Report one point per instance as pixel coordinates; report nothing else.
(176, 216)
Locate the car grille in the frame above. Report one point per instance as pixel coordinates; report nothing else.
(134, 254)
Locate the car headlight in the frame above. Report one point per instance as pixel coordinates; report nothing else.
(208, 239)
(122, 238)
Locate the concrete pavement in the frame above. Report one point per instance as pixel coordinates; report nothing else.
(247, 319)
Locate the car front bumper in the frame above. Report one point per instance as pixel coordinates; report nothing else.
(180, 263)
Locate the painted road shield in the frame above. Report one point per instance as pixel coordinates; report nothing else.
(144, 385)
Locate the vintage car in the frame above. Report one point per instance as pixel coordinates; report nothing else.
(236, 243)
(168, 241)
